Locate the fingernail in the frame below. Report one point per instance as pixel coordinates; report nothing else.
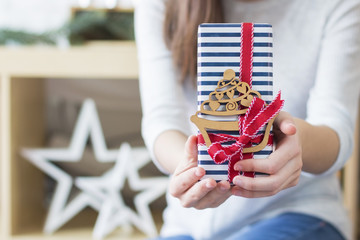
(198, 172)
(223, 188)
(291, 124)
(237, 181)
(209, 185)
(237, 167)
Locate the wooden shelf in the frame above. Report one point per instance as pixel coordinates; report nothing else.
(103, 60)
(92, 9)
(22, 124)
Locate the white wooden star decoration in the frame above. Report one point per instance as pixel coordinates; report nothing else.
(87, 125)
(101, 193)
(114, 212)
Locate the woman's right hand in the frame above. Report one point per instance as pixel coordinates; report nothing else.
(185, 184)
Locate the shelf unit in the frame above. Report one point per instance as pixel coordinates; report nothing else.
(22, 121)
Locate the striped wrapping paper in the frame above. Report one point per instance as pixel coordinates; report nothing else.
(219, 50)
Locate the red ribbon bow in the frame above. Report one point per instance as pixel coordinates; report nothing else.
(256, 117)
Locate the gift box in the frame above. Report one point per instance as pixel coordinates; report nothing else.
(236, 107)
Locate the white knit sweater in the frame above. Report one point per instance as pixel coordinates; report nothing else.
(317, 68)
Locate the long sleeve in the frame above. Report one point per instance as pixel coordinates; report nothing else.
(333, 100)
(162, 95)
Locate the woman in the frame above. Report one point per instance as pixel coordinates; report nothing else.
(316, 59)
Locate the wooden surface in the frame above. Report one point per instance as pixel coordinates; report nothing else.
(351, 183)
(5, 154)
(104, 60)
(79, 228)
(27, 130)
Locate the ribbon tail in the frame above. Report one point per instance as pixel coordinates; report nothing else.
(256, 119)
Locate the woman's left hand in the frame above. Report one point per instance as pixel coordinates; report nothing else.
(283, 165)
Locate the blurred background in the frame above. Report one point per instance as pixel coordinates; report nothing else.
(53, 56)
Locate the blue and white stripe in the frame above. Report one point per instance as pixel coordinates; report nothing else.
(219, 50)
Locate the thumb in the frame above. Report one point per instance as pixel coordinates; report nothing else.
(191, 150)
(190, 156)
(285, 123)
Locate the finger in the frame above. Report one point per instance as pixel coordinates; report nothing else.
(224, 186)
(215, 197)
(181, 182)
(190, 159)
(270, 183)
(258, 191)
(269, 165)
(275, 161)
(238, 191)
(194, 194)
(287, 148)
(257, 184)
(285, 123)
(191, 147)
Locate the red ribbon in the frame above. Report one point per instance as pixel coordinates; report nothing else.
(246, 52)
(255, 118)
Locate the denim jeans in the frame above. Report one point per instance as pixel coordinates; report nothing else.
(287, 226)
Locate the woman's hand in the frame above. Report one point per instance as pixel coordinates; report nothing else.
(185, 184)
(283, 165)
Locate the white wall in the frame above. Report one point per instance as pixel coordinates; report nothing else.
(34, 15)
(42, 15)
